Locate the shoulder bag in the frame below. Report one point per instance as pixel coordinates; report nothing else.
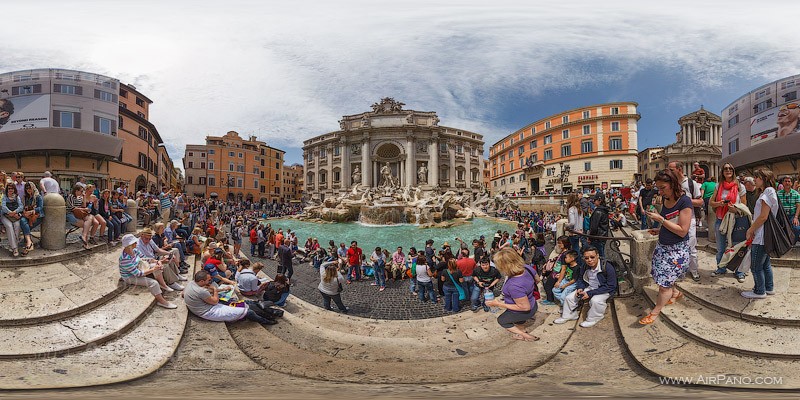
(339, 287)
(778, 234)
(79, 213)
(461, 295)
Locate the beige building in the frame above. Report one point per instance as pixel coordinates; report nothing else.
(761, 128)
(292, 183)
(650, 162)
(593, 147)
(233, 168)
(76, 123)
(408, 145)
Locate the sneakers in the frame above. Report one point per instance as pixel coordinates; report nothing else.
(719, 271)
(770, 292)
(373, 284)
(175, 286)
(588, 324)
(166, 289)
(382, 288)
(474, 309)
(740, 278)
(564, 320)
(182, 278)
(169, 306)
(695, 276)
(548, 303)
(485, 308)
(752, 295)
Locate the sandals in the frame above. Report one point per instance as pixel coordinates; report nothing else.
(649, 319)
(524, 339)
(676, 298)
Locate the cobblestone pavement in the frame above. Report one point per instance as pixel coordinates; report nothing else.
(364, 300)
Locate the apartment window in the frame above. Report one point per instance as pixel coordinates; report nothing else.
(547, 125)
(140, 114)
(787, 84)
(502, 168)
(764, 105)
(521, 135)
(522, 162)
(511, 179)
(123, 93)
(733, 121)
(191, 154)
(615, 164)
(551, 171)
(67, 89)
(443, 147)
(211, 165)
(262, 174)
(211, 151)
(565, 119)
(66, 119)
(733, 109)
(511, 153)
(615, 143)
(533, 130)
(241, 155)
(323, 153)
(459, 149)
(511, 165)
(231, 154)
(255, 170)
(733, 146)
(533, 144)
(239, 182)
(502, 158)
(790, 96)
(521, 177)
(586, 146)
(142, 133)
(104, 96)
(511, 142)
(587, 166)
(502, 181)
(278, 165)
(103, 125)
(240, 168)
(521, 150)
(123, 105)
(585, 114)
(27, 89)
(190, 180)
(587, 129)
(255, 183)
(566, 150)
(191, 164)
(139, 102)
(212, 181)
(548, 154)
(762, 93)
(548, 139)
(614, 110)
(202, 180)
(202, 165)
(615, 126)
(143, 162)
(565, 134)
(119, 123)
(337, 150)
(534, 158)
(337, 176)
(68, 77)
(230, 167)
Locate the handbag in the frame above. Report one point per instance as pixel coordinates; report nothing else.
(778, 234)
(32, 215)
(461, 295)
(339, 287)
(79, 213)
(13, 218)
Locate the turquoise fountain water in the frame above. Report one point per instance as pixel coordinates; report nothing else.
(391, 236)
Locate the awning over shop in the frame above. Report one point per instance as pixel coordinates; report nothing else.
(213, 194)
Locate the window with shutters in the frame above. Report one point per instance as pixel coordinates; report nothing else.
(66, 119)
(587, 129)
(123, 93)
(26, 89)
(67, 89)
(142, 133)
(103, 125)
(139, 102)
(585, 114)
(143, 162)
(105, 96)
(615, 143)
(119, 123)
(212, 180)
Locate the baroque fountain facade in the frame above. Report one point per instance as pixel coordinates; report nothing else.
(392, 165)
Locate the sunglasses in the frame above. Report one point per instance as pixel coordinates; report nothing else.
(791, 106)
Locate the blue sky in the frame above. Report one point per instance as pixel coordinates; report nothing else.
(287, 71)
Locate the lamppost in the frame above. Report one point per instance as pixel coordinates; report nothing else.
(563, 174)
(230, 183)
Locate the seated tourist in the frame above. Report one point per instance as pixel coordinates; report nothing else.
(78, 215)
(597, 281)
(10, 215)
(276, 291)
(130, 263)
(217, 268)
(94, 209)
(160, 240)
(247, 279)
(202, 299)
(32, 214)
(567, 278)
(150, 250)
(486, 277)
(106, 211)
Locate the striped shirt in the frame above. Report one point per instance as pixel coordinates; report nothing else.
(165, 201)
(789, 201)
(129, 264)
(74, 201)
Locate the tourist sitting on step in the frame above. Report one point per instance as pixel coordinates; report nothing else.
(202, 299)
(397, 263)
(32, 214)
(276, 291)
(519, 300)
(77, 215)
(217, 268)
(247, 280)
(150, 250)
(11, 214)
(131, 262)
(567, 279)
(597, 282)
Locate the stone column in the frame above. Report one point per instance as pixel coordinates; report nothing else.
(55, 211)
(132, 209)
(468, 166)
(642, 248)
(683, 134)
(411, 163)
(345, 164)
(329, 150)
(366, 164)
(451, 152)
(433, 166)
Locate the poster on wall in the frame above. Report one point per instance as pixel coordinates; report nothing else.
(775, 123)
(24, 112)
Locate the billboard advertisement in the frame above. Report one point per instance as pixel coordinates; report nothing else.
(774, 123)
(25, 112)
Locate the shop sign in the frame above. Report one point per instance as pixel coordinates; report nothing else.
(582, 178)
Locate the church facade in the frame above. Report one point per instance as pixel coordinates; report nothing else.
(390, 146)
(699, 141)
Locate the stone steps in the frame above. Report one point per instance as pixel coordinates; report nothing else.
(39, 256)
(81, 332)
(138, 353)
(731, 335)
(397, 364)
(303, 325)
(33, 295)
(722, 294)
(666, 353)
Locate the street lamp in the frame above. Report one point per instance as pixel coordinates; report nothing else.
(564, 173)
(230, 183)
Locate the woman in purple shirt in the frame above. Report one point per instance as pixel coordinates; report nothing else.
(518, 297)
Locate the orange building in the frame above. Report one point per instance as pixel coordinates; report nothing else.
(292, 182)
(593, 147)
(230, 167)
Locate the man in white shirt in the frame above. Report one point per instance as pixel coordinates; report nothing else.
(694, 193)
(48, 184)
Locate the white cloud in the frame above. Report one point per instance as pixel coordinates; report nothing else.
(286, 71)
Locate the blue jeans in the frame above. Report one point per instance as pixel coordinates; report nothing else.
(426, 287)
(252, 315)
(380, 274)
(722, 240)
(476, 298)
(282, 301)
(451, 298)
(26, 227)
(560, 294)
(796, 230)
(468, 285)
(761, 269)
(575, 241)
(354, 272)
(253, 249)
(600, 245)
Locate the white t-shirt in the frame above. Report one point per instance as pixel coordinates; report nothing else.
(422, 274)
(771, 198)
(50, 185)
(697, 194)
(634, 196)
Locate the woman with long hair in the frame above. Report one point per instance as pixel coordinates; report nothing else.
(32, 214)
(518, 297)
(552, 269)
(330, 286)
(727, 193)
(10, 215)
(760, 265)
(574, 220)
(671, 256)
(451, 284)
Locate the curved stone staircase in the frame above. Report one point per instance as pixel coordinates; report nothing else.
(716, 337)
(68, 321)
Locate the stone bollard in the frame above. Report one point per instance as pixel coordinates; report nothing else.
(642, 249)
(561, 227)
(52, 228)
(711, 219)
(133, 211)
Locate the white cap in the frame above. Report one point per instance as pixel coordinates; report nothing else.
(128, 240)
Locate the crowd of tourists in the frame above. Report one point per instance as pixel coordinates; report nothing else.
(228, 286)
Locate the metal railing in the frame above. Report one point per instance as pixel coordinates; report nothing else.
(622, 261)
